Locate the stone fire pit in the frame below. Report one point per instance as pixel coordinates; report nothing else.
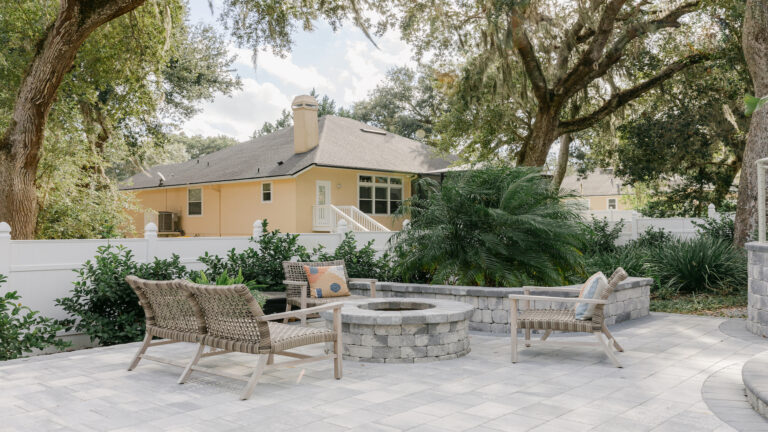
(400, 330)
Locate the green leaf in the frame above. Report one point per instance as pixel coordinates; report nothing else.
(753, 104)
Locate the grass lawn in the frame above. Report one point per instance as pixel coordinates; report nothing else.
(731, 305)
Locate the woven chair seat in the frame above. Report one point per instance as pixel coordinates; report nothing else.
(554, 319)
(285, 337)
(282, 337)
(165, 333)
(312, 301)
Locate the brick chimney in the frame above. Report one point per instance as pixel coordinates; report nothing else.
(305, 129)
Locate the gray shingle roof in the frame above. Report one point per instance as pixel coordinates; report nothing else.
(342, 143)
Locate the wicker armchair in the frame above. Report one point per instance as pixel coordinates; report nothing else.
(167, 316)
(297, 286)
(234, 322)
(563, 320)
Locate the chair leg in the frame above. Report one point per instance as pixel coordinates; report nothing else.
(248, 390)
(188, 369)
(337, 350)
(607, 349)
(140, 352)
(612, 339)
(513, 328)
(527, 337)
(270, 359)
(546, 335)
(287, 309)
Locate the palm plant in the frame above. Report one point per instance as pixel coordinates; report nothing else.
(492, 226)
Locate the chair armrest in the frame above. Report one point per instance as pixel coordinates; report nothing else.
(298, 283)
(555, 299)
(301, 312)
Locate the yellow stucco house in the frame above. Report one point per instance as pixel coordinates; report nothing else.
(305, 178)
(599, 190)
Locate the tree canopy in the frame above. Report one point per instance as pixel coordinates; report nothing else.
(515, 69)
(111, 78)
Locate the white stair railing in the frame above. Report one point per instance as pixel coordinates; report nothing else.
(327, 217)
(352, 224)
(363, 219)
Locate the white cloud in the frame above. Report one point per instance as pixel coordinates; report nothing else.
(284, 69)
(239, 115)
(367, 66)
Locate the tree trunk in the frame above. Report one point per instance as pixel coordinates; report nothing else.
(562, 160)
(21, 143)
(755, 44)
(544, 133)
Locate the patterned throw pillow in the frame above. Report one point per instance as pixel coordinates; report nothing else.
(326, 281)
(593, 288)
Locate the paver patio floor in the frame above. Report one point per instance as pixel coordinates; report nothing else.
(667, 362)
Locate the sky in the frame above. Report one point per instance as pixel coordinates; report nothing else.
(344, 65)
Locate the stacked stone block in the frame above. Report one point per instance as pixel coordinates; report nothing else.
(406, 343)
(757, 301)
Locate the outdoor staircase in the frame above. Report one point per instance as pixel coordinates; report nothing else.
(327, 218)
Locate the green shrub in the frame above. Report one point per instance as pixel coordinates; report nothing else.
(599, 236)
(721, 228)
(23, 330)
(262, 264)
(698, 265)
(360, 263)
(652, 238)
(631, 258)
(224, 279)
(493, 226)
(102, 305)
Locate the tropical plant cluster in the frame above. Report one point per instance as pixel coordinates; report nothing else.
(502, 226)
(23, 330)
(707, 264)
(491, 226)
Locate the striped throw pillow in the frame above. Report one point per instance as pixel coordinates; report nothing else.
(593, 288)
(327, 281)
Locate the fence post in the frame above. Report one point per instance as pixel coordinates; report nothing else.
(635, 228)
(711, 211)
(150, 237)
(257, 230)
(5, 249)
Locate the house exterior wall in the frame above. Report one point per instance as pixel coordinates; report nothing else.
(344, 192)
(600, 202)
(229, 209)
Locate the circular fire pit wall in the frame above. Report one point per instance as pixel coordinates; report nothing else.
(403, 330)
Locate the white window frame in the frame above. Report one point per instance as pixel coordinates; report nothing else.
(615, 204)
(373, 185)
(271, 192)
(201, 202)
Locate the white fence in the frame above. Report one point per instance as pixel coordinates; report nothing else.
(635, 224)
(43, 270)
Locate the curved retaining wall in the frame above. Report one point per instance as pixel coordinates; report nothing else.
(630, 300)
(754, 373)
(757, 303)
